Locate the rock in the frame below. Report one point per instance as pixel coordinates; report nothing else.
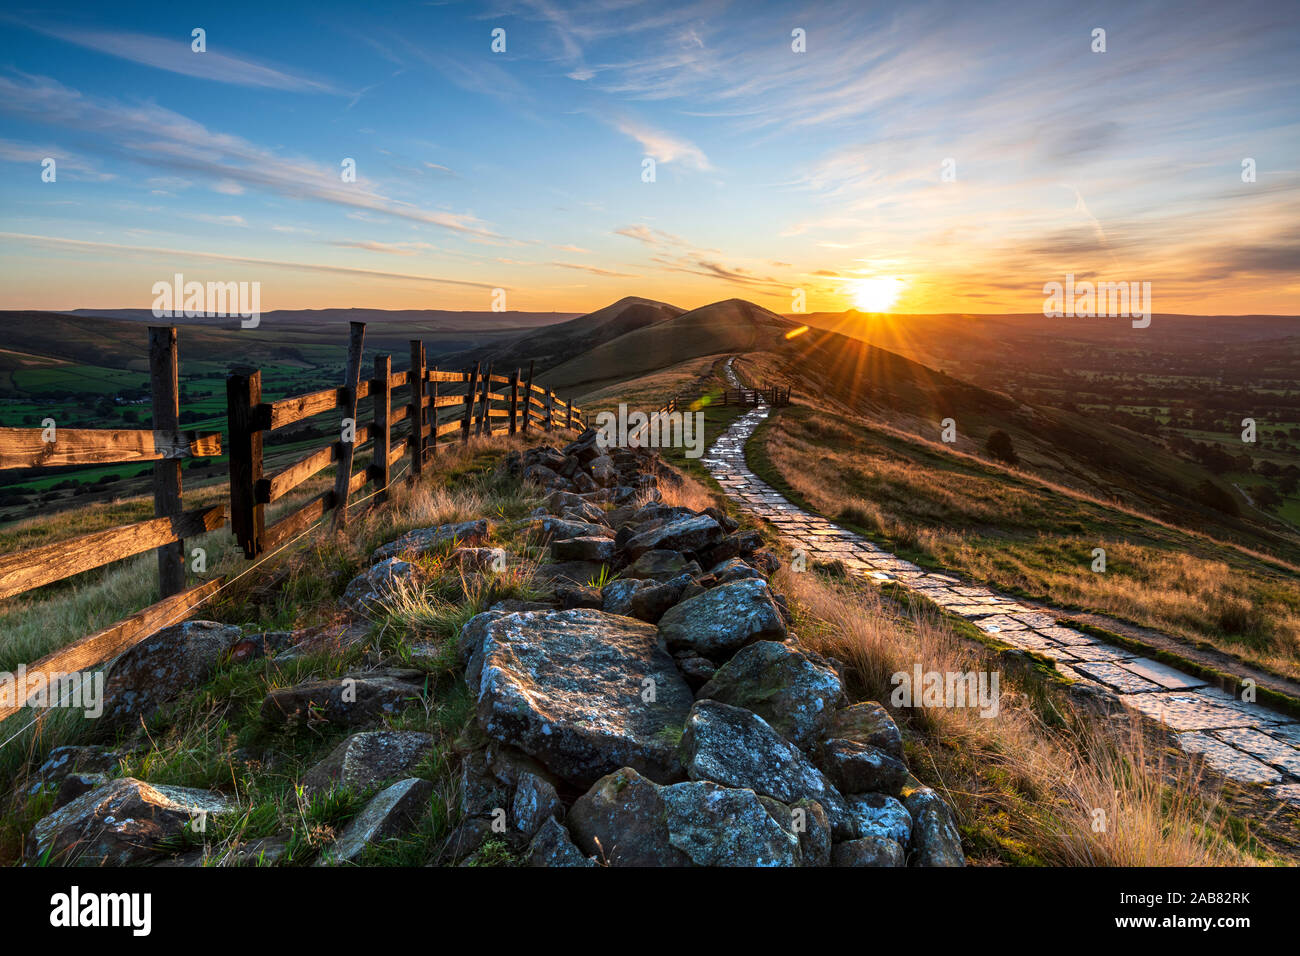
(570, 689)
(698, 671)
(333, 640)
(585, 548)
(765, 562)
(935, 838)
(661, 565)
(813, 827)
(544, 476)
(465, 840)
(482, 792)
(423, 540)
(576, 595)
(369, 588)
(616, 596)
(732, 546)
(160, 667)
(75, 784)
(685, 534)
(120, 823)
(585, 512)
(391, 812)
(367, 760)
(256, 646)
(859, 768)
(622, 821)
(718, 826)
(69, 760)
(476, 559)
(868, 851)
(733, 569)
(728, 523)
(558, 529)
(723, 619)
(554, 847)
(603, 471)
(349, 701)
(868, 723)
(739, 749)
(584, 483)
(535, 801)
(652, 603)
(875, 814)
(796, 692)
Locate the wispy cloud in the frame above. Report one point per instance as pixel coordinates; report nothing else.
(176, 56)
(664, 147)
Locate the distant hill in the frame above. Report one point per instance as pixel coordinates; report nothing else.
(431, 320)
(553, 345)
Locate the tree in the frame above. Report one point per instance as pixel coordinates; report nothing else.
(999, 446)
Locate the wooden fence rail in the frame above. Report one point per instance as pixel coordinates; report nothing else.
(481, 402)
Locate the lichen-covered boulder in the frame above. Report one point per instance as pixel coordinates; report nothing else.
(737, 748)
(860, 768)
(123, 822)
(652, 603)
(869, 851)
(935, 838)
(879, 815)
(795, 691)
(350, 701)
(391, 812)
(691, 534)
(868, 723)
(582, 691)
(423, 540)
(160, 667)
(534, 802)
(552, 846)
(369, 588)
(622, 821)
(367, 760)
(720, 826)
(616, 596)
(733, 569)
(584, 548)
(813, 827)
(721, 620)
(560, 529)
(661, 565)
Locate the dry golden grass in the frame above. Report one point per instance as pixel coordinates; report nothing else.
(1013, 538)
(1027, 784)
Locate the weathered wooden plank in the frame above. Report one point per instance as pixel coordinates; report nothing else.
(446, 428)
(446, 401)
(297, 521)
(104, 645)
(469, 404)
(24, 570)
(418, 373)
(435, 376)
(26, 447)
(514, 401)
(498, 413)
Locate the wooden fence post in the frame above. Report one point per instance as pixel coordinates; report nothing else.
(247, 518)
(416, 414)
(550, 409)
(470, 394)
(568, 415)
(483, 407)
(528, 398)
(347, 449)
(433, 412)
(514, 401)
(164, 383)
(382, 400)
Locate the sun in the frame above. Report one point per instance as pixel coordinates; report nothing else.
(878, 294)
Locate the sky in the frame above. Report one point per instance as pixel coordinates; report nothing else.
(917, 157)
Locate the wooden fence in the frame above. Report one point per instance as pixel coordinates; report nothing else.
(481, 403)
(774, 395)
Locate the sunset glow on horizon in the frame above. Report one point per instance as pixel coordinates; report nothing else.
(903, 162)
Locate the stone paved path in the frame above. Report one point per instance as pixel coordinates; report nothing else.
(1243, 741)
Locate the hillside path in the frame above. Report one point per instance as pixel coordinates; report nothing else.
(1246, 742)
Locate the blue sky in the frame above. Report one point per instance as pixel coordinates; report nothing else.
(775, 170)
